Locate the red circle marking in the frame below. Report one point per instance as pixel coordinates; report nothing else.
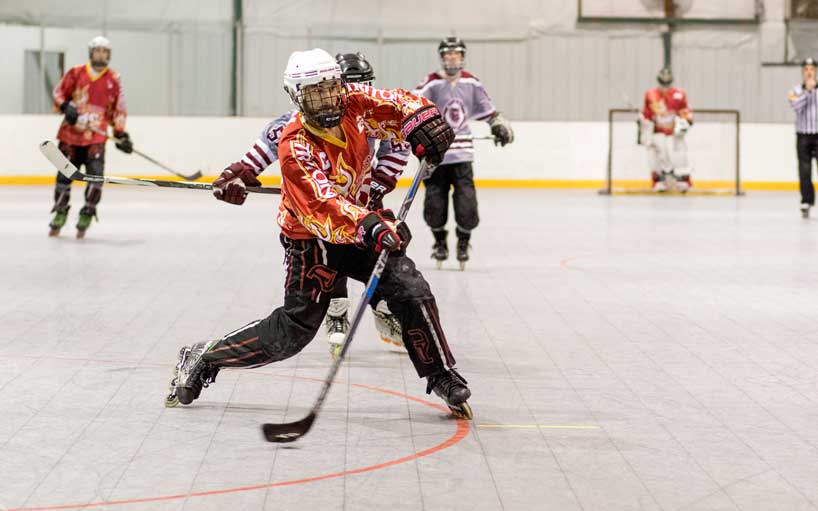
(459, 434)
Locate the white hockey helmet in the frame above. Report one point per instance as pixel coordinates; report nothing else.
(99, 42)
(316, 69)
(103, 43)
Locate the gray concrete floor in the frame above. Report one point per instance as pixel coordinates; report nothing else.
(625, 353)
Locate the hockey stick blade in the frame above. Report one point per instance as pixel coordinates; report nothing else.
(290, 432)
(60, 162)
(67, 169)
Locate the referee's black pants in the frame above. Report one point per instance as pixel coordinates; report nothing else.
(807, 147)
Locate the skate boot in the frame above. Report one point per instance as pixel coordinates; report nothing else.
(462, 251)
(57, 223)
(659, 183)
(805, 210)
(440, 251)
(191, 375)
(86, 215)
(451, 387)
(684, 183)
(337, 325)
(388, 328)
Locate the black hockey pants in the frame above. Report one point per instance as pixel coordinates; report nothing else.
(93, 157)
(313, 268)
(459, 176)
(807, 148)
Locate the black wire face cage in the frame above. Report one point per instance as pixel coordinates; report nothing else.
(323, 104)
(452, 70)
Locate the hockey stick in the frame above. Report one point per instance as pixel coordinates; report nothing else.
(67, 169)
(292, 431)
(472, 137)
(193, 177)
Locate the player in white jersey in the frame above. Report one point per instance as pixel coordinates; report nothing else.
(460, 97)
(391, 158)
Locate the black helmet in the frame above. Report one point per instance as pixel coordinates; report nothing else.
(809, 61)
(355, 68)
(451, 44)
(665, 76)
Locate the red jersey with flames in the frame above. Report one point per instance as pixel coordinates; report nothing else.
(663, 106)
(324, 180)
(99, 100)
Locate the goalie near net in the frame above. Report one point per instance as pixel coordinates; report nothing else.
(713, 153)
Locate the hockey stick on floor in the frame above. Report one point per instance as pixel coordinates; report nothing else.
(67, 169)
(193, 177)
(292, 431)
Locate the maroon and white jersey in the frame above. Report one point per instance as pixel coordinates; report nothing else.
(459, 103)
(391, 158)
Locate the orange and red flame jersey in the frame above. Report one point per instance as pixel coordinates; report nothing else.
(99, 100)
(663, 106)
(325, 180)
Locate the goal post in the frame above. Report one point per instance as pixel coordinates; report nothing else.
(713, 150)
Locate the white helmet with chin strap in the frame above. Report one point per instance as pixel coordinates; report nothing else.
(316, 68)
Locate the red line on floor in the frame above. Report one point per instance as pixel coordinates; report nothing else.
(459, 434)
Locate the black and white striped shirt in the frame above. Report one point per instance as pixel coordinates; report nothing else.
(805, 105)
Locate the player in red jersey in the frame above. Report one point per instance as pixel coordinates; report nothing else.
(328, 233)
(90, 96)
(665, 120)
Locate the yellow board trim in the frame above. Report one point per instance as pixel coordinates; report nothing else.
(595, 184)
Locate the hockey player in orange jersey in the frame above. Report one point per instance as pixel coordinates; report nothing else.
(328, 233)
(90, 96)
(665, 120)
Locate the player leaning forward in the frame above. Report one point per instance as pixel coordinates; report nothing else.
(90, 96)
(665, 120)
(327, 232)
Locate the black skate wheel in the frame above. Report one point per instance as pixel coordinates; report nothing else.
(185, 395)
(80, 235)
(462, 411)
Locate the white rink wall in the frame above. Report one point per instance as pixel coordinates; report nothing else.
(564, 154)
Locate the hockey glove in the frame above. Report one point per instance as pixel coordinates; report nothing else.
(378, 233)
(501, 129)
(124, 143)
(71, 114)
(428, 134)
(231, 185)
(402, 228)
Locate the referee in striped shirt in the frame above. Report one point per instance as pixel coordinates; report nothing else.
(804, 101)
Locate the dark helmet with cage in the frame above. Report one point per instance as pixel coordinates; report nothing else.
(452, 44)
(355, 68)
(315, 84)
(665, 77)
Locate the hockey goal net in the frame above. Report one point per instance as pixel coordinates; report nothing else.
(712, 153)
